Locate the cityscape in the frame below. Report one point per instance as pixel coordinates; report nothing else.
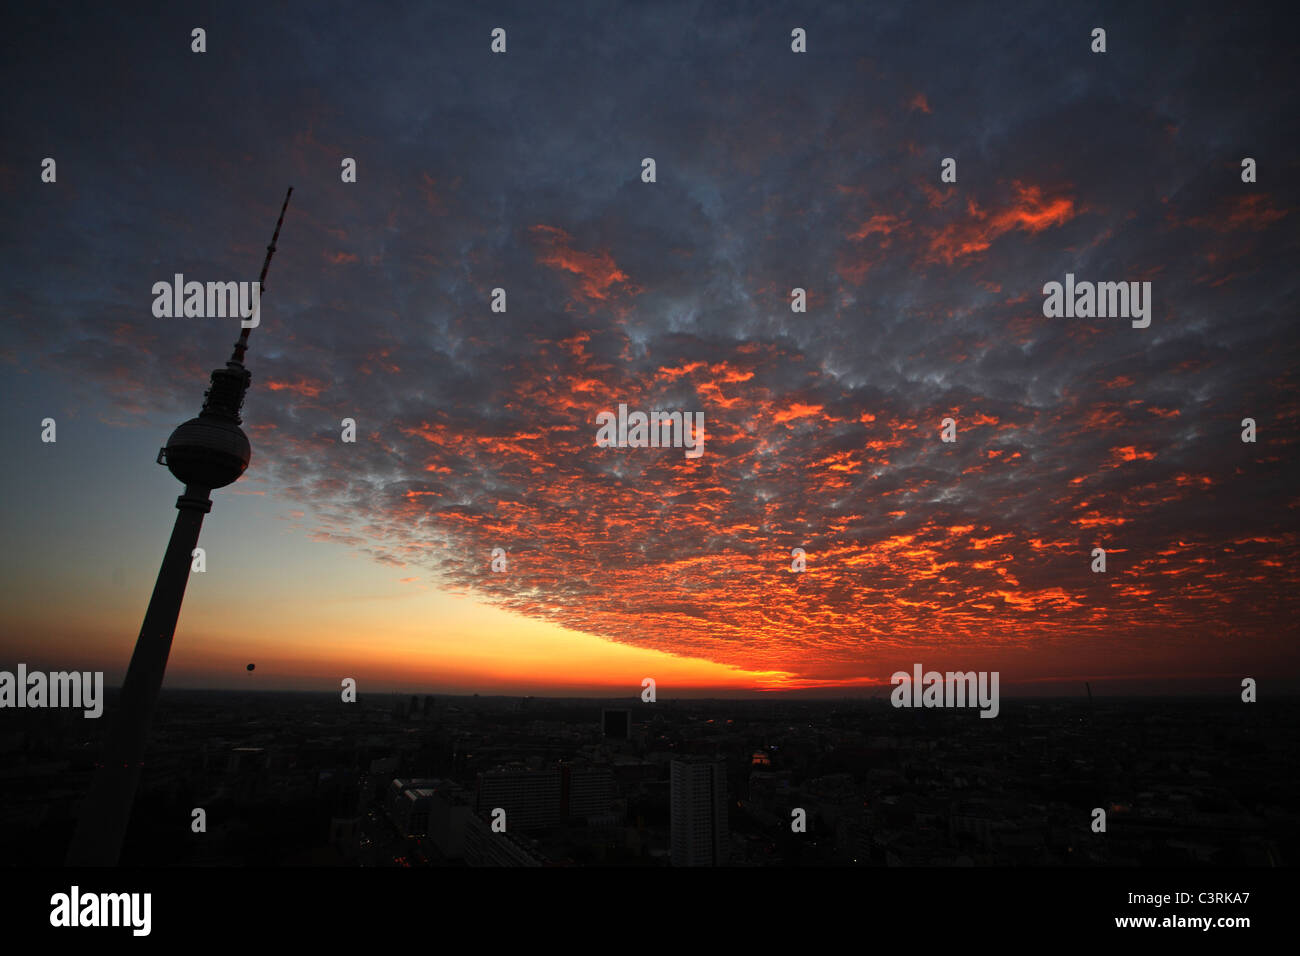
(299, 779)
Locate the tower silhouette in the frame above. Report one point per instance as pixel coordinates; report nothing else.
(206, 452)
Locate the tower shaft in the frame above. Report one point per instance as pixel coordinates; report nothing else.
(102, 825)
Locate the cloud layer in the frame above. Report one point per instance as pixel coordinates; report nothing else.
(820, 171)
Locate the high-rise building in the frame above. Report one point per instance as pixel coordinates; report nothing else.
(548, 797)
(585, 791)
(449, 814)
(698, 800)
(531, 798)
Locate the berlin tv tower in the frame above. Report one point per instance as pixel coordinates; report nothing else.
(207, 452)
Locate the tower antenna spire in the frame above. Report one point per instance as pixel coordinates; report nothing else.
(242, 345)
(206, 452)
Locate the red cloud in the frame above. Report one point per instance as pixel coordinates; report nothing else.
(1029, 211)
(597, 271)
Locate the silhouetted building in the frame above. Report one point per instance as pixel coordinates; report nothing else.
(585, 791)
(345, 836)
(530, 798)
(616, 724)
(534, 799)
(698, 800)
(413, 811)
(449, 813)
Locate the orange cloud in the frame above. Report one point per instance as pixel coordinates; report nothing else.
(596, 271)
(1030, 211)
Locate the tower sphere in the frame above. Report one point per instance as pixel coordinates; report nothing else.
(208, 452)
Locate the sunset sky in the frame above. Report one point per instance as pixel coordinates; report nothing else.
(477, 430)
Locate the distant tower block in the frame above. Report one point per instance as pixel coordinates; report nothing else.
(207, 452)
(616, 724)
(698, 803)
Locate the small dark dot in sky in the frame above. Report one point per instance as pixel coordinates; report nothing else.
(251, 666)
